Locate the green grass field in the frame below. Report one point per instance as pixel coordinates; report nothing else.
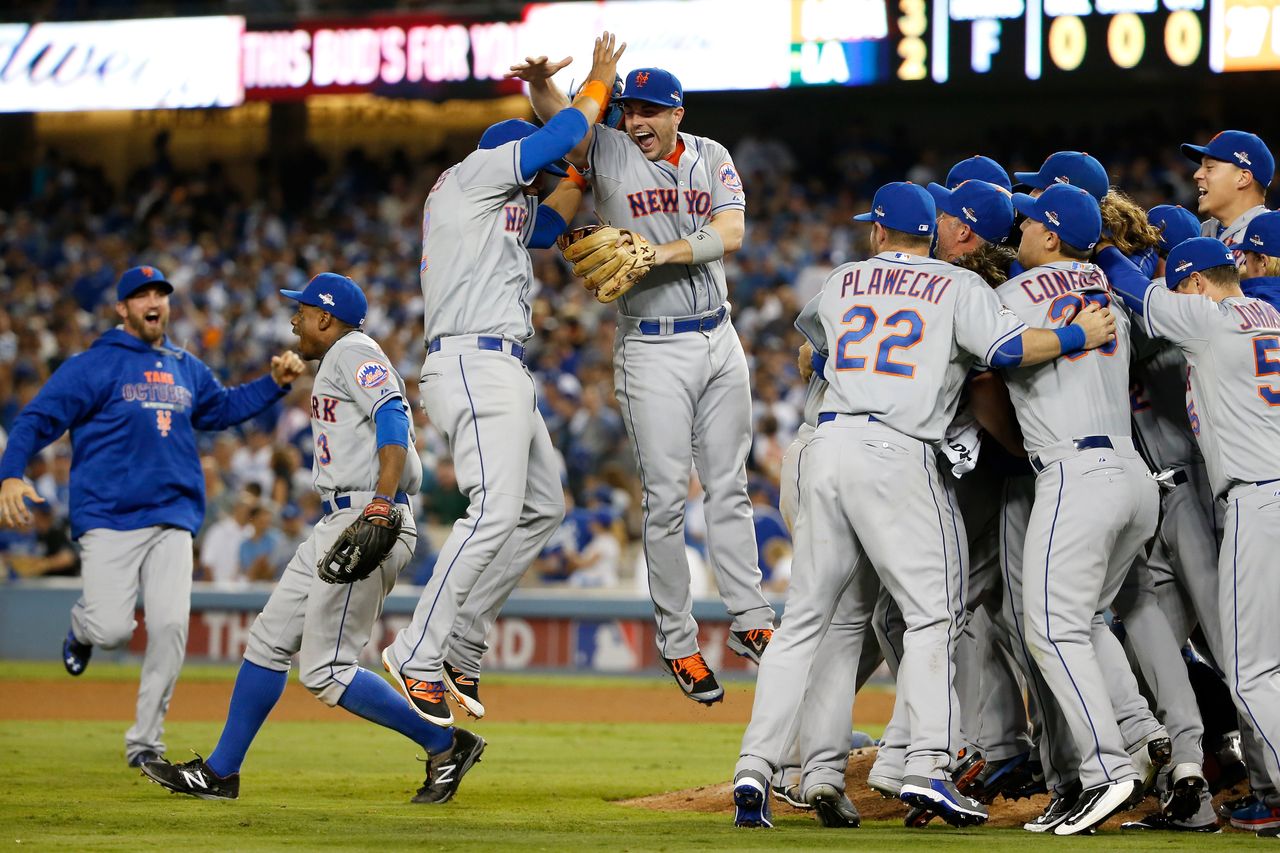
(345, 785)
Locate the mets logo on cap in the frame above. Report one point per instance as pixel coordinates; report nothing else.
(642, 79)
(372, 374)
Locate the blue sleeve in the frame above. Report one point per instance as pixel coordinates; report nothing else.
(819, 363)
(217, 407)
(393, 426)
(65, 400)
(552, 141)
(1126, 279)
(1009, 354)
(547, 226)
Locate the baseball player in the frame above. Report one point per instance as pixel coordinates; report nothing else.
(133, 402)
(871, 468)
(1236, 168)
(361, 431)
(1075, 424)
(1232, 343)
(1261, 271)
(979, 168)
(680, 375)
(479, 222)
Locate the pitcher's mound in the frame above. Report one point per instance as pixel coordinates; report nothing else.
(718, 799)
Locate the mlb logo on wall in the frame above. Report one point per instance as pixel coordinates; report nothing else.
(608, 646)
(372, 374)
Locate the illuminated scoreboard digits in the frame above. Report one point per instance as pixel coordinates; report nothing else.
(947, 40)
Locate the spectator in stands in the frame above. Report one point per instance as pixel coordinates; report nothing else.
(220, 550)
(260, 548)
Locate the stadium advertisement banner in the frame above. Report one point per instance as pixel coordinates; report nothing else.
(413, 56)
(121, 65)
(1246, 35)
(515, 644)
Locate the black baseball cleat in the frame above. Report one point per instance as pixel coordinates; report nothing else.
(1096, 804)
(75, 654)
(425, 697)
(465, 690)
(750, 644)
(1056, 812)
(695, 678)
(194, 779)
(146, 756)
(832, 807)
(1028, 781)
(1157, 821)
(791, 796)
(998, 775)
(1186, 785)
(1150, 755)
(445, 770)
(940, 797)
(965, 778)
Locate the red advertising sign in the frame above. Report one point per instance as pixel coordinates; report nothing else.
(419, 56)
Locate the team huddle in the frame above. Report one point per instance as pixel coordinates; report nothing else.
(1038, 462)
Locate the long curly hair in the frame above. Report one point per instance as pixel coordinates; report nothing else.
(990, 261)
(1127, 223)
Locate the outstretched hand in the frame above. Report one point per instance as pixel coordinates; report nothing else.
(604, 59)
(536, 69)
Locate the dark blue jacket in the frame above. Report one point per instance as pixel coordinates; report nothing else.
(133, 410)
(1266, 288)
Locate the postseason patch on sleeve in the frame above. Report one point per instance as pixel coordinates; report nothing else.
(372, 374)
(729, 177)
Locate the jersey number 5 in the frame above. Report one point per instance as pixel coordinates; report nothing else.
(1068, 305)
(1266, 354)
(909, 328)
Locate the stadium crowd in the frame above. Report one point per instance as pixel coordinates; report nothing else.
(228, 250)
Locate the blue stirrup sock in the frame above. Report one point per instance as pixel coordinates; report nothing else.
(256, 692)
(370, 696)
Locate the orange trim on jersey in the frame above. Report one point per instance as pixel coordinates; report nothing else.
(674, 157)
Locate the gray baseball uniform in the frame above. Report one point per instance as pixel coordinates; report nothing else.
(871, 468)
(1233, 352)
(328, 625)
(681, 379)
(1231, 234)
(476, 276)
(1095, 506)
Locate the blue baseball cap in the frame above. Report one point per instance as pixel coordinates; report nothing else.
(655, 86)
(1238, 148)
(1176, 224)
(984, 207)
(1263, 235)
(1066, 210)
(979, 168)
(1196, 255)
(1069, 167)
(337, 294)
(903, 206)
(136, 278)
(500, 133)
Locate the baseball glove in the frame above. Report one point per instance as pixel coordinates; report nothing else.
(608, 270)
(363, 545)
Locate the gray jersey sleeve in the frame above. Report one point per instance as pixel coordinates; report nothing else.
(366, 375)
(809, 324)
(726, 190)
(983, 325)
(1186, 319)
(489, 175)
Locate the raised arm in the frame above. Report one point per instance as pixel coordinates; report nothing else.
(549, 102)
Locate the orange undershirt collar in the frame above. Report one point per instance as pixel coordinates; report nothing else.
(674, 157)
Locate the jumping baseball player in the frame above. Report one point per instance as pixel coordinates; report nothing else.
(479, 222)
(1236, 168)
(871, 468)
(680, 374)
(1075, 423)
(133, 402)
(1232, 346)
(330, 596)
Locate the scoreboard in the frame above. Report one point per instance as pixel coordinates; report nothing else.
(952, 40)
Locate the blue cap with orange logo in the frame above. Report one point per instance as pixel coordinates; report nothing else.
(903, 206)
(1069, 167)
(337, 294)
(653, 85)
(986, 208)
(136, 278)
(1066, 210)
(1239, 148)
(1196, 255)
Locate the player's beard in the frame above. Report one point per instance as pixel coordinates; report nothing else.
(150, 331)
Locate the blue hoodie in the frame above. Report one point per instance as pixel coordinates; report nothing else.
(1266, 288)
(133, 410)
